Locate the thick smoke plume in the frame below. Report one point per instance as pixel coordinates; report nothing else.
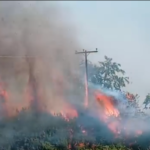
(42, 31)
(37, 42)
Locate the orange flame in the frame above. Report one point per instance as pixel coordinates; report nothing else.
(107, 110)
(4, 100)
(67, 111)
(107, 104)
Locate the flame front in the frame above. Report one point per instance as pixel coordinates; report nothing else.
(107, 111)
(107, 104)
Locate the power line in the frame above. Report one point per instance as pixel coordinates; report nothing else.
(9, 56)
(85, 52)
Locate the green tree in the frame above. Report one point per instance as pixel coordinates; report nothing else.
(147, 100)
(108, 74)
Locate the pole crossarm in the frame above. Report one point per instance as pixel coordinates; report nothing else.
(85, 51)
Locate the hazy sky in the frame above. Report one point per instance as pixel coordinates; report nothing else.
(120, 30)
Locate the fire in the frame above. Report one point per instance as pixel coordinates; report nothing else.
(66, 111)
(69, 112)
(107, 104)
(3, 99)
(108, 110)
(111, 115)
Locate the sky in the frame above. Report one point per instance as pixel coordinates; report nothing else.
(120, 30)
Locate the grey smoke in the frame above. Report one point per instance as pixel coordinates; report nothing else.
(43, 30)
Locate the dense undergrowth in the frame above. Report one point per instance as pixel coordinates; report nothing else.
(47, 132)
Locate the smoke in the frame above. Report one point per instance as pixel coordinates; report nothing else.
(37, 42)
(43, 31)
(129, 113)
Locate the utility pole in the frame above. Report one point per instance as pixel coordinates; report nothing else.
(85, 52)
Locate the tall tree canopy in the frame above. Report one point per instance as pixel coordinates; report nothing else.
(108, 74)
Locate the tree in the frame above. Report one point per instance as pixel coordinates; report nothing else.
(147, 100)
(108, 74)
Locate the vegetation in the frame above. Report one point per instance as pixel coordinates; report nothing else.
(147, 100)
(108, 74)
(55, 133)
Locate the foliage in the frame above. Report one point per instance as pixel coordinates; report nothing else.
(108, 74)
(28, 133)
(55, 134)
(147, 100)
(47, 146)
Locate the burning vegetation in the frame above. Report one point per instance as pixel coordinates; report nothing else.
(42, 99)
